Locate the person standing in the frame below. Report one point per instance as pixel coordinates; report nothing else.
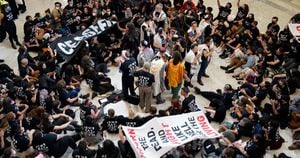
(175, 74)
(14, 8)
(205, 58)
(127, 68)
(2, 31)
(191, 58)
(224, 11)
(158, 69)
(146, 53)
(145, 81)
(9, 25)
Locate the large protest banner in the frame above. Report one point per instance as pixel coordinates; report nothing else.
(160, 135)
(68, 46)
(295, 30)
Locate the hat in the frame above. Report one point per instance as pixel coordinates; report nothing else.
(167, 54)
(185, 89)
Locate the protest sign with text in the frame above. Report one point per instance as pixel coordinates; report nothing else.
(159, 135)
(68, 46)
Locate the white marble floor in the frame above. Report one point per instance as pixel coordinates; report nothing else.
(264, 10)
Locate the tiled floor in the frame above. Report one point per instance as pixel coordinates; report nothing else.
(264, 10)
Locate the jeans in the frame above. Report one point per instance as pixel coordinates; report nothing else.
(74, 92)
(202, 69)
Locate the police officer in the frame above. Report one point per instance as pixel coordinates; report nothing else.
(9, 25)
(127, 68)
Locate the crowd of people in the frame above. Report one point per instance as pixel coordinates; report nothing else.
(158, 48)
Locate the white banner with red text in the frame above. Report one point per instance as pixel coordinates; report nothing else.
(295, 30)
(161, 134)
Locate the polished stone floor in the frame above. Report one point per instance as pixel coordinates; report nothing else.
(264, 10)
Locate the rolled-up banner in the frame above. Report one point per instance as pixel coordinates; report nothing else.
(159, 135)
(68, 46)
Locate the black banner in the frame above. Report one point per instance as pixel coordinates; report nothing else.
(68, 46)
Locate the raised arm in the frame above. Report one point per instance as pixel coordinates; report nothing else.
(63, 126)
(238, 3)
(218, 2)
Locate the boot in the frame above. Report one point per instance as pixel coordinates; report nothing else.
(94, 95)
(18, 43)
(13, 46)
(159, 100)
(86, 96)
(229, 71)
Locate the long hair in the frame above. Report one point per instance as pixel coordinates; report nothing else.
(246, 8)
(131, 30)
(44, 120)
(177, 58)
(37, 112)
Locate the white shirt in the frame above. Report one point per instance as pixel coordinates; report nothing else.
(189, 57)
(202, 25)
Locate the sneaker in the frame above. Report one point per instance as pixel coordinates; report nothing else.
(224, 67)
(206, 75)
(13, 46)
(229, 71)
(160, 101)
(94, 95)
(221, 55)
(224, 56)
(85, 96)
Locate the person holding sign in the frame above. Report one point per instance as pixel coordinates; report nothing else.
(189, 103)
